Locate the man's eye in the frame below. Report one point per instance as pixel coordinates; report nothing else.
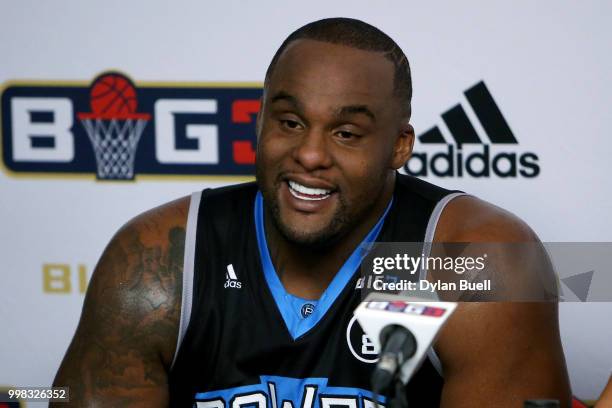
(290, 124)
(344, 134)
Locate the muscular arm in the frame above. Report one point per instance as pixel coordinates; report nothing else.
(126, 338)
(605, 399)
(498, 354)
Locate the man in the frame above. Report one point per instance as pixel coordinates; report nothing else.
(244, 295)
(605, 399)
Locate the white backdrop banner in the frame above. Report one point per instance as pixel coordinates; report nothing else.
(511, 103)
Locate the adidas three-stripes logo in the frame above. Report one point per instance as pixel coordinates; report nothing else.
(231, 280)
(455, 162)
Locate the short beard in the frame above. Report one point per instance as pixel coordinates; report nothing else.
(319, 240)
(342, 221)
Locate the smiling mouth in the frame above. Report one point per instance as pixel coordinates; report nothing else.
(302, 192)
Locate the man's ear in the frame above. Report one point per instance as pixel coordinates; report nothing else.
(403, 146)
(258, 120)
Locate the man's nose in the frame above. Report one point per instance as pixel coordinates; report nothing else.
(312, 152)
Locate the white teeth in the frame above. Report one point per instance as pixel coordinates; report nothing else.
(295, 189)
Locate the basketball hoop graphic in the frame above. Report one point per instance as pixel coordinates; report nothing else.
(113, 125)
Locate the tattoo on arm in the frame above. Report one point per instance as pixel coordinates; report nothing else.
(125, 342)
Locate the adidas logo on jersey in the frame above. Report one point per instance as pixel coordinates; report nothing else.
(231, 278)
(469, 155)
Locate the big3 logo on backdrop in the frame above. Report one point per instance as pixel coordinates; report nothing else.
(116, 131)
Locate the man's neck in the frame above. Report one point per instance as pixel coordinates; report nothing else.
(307, 271)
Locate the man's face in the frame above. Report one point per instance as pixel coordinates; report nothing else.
(330, 136)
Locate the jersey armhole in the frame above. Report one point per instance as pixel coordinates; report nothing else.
(188, 269)
(427, 243)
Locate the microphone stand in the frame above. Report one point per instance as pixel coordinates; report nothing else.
(399, 400)
(398, 345)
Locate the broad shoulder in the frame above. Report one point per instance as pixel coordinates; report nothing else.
(482, 347)
(470, 219)
(156, 224)
(126, 338)
(140, 276)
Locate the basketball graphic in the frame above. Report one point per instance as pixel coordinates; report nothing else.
(113, 95)
(114, 126)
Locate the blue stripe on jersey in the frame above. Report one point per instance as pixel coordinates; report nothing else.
(296, 325)
(287, 392)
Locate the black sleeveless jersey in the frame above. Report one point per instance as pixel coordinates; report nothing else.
(244, 342)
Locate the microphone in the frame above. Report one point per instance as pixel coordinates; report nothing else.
(399, 345)
(403, 327)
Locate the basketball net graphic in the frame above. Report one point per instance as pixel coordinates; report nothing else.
(113, 125)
